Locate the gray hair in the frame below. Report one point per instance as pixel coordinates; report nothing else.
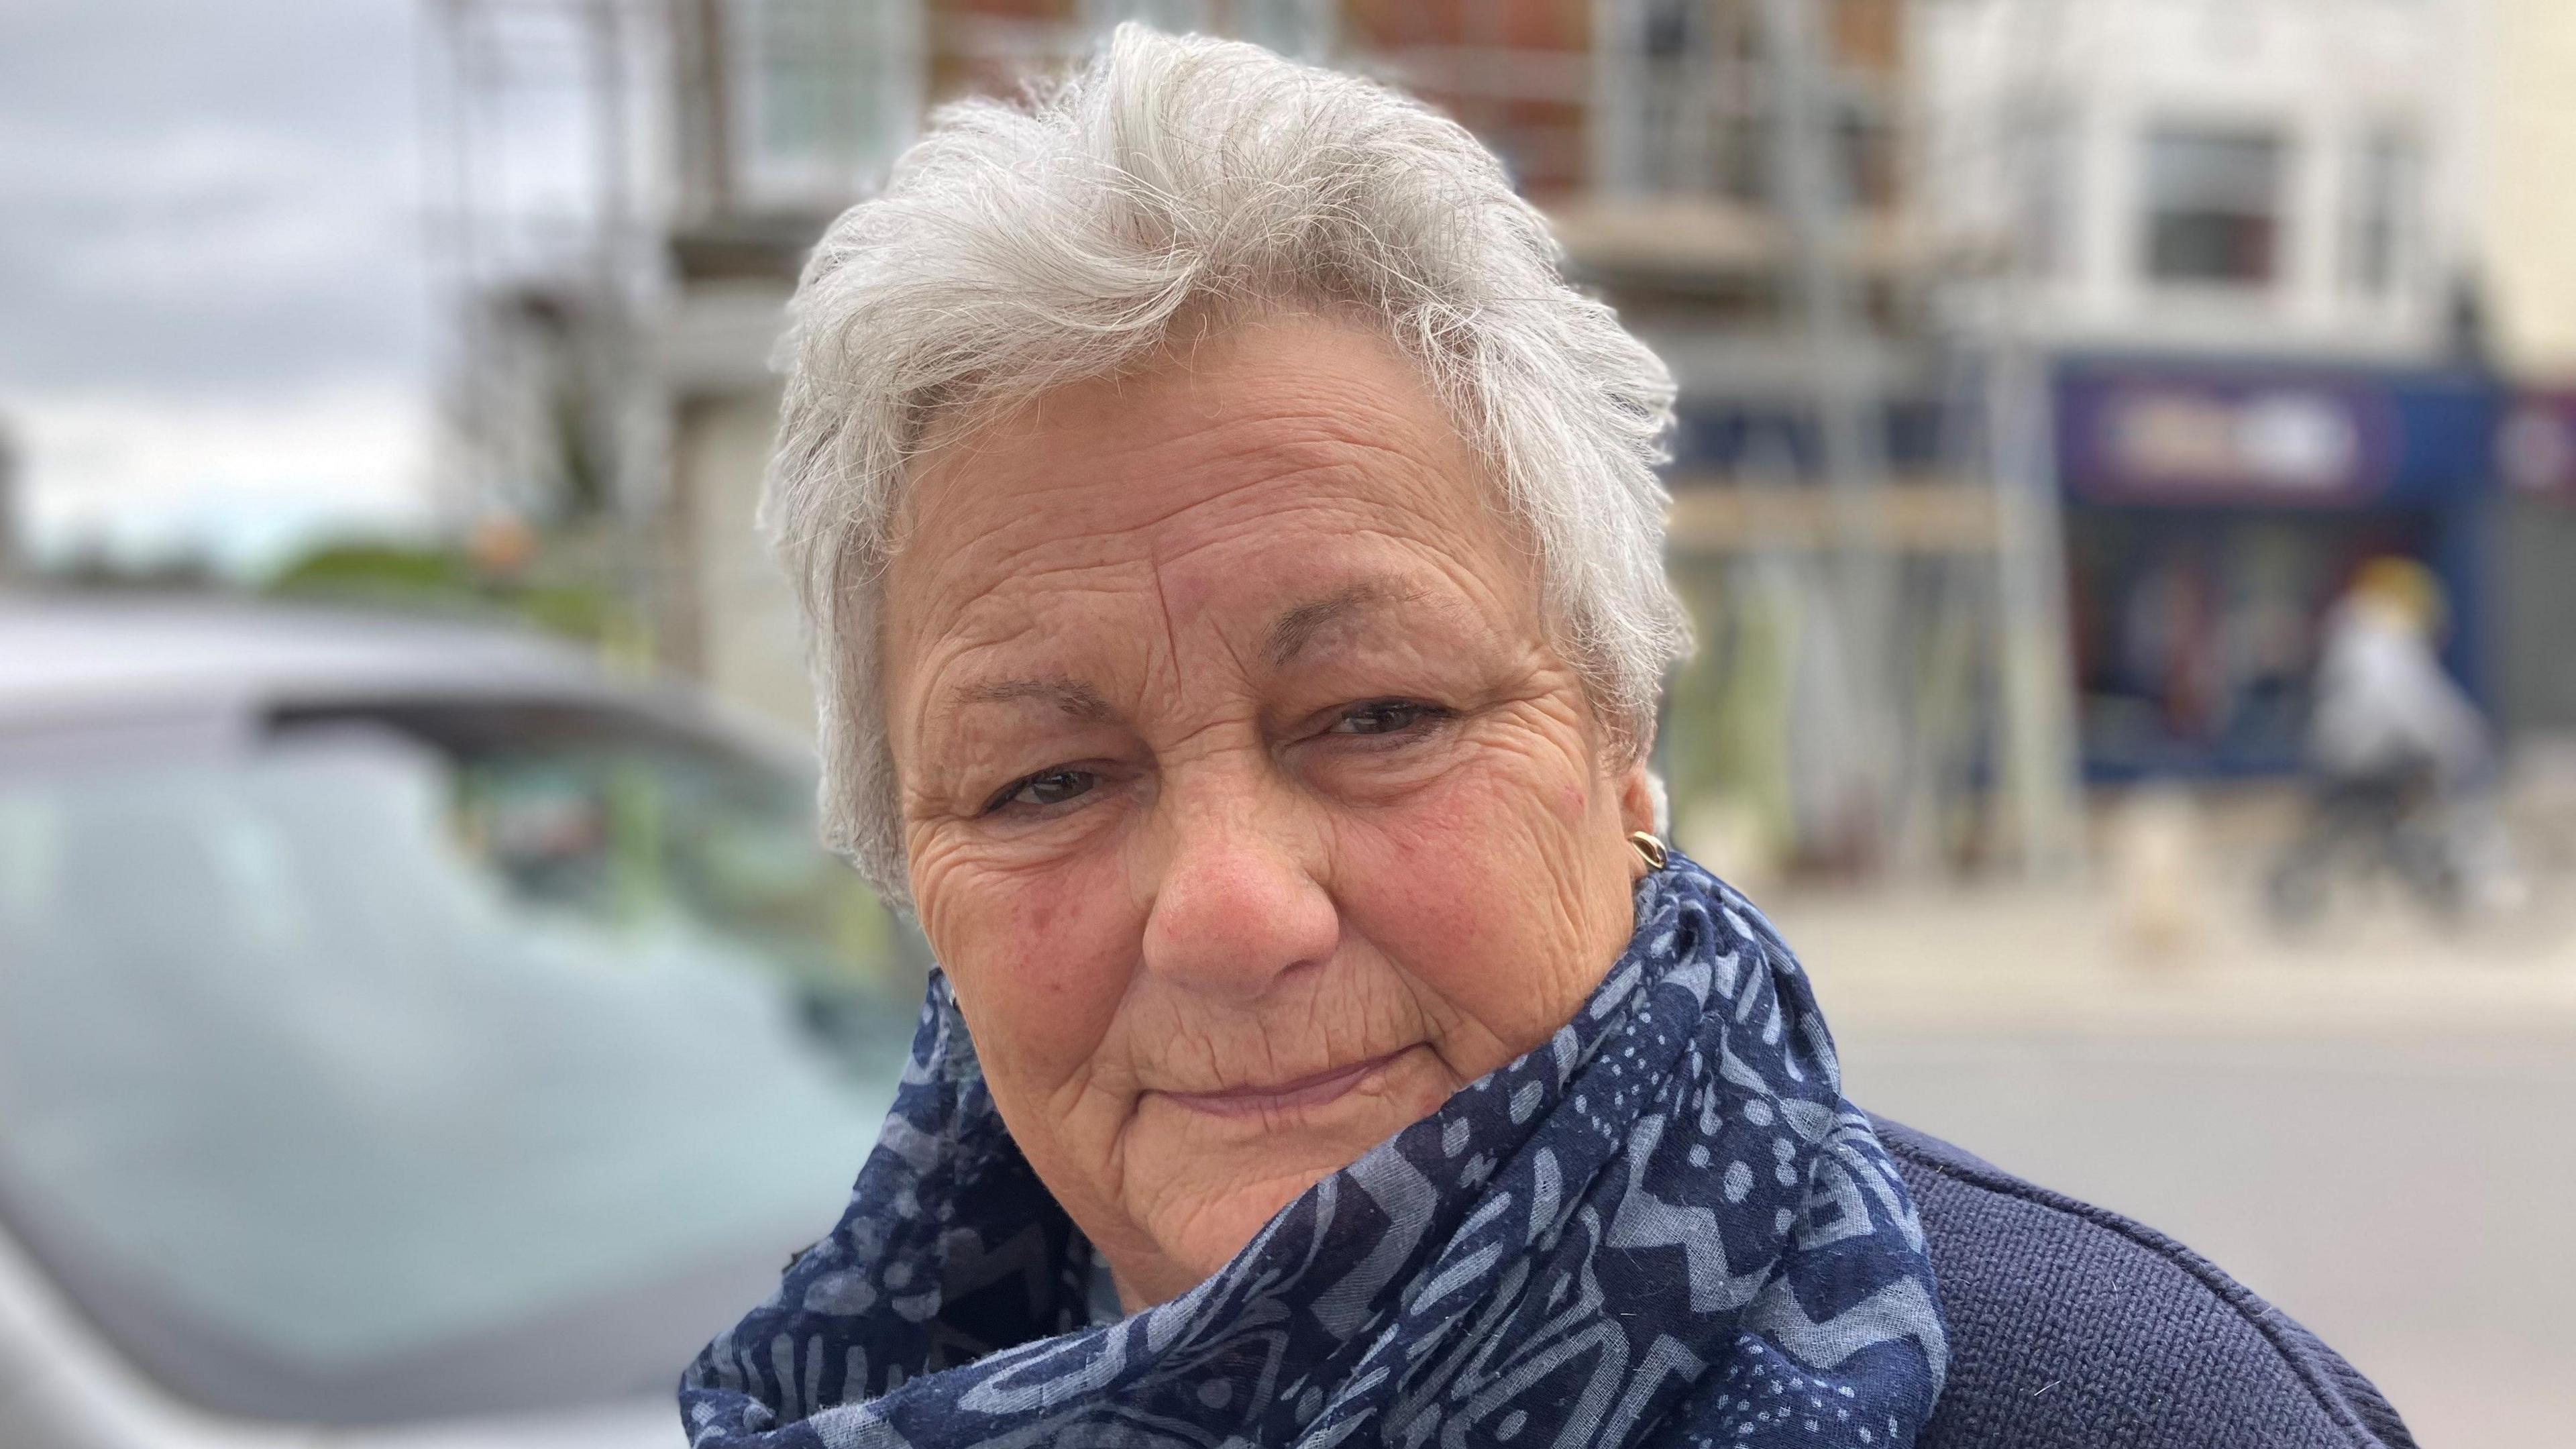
(1017, 247)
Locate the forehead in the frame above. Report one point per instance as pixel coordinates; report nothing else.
(1287, 455)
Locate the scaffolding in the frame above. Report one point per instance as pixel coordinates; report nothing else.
(1731, 173)
(543, 252)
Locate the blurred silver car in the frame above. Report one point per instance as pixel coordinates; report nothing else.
(409, 1034)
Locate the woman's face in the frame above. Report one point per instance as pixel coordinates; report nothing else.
(1248, 806)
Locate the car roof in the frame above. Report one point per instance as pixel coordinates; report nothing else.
(77, 656)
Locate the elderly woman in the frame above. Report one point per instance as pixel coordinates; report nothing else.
(1233, 559)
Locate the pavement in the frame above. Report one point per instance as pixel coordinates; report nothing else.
(2372, 1124)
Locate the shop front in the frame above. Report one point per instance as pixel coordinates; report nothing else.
(2214, 513)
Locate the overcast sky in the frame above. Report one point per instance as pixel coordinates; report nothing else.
(215, 319)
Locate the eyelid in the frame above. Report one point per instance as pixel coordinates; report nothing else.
(1001, 799)
(1429, 714)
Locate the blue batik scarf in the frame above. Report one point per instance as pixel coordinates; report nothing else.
(1665, 1226)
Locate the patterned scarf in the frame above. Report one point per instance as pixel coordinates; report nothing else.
(1665, 1226)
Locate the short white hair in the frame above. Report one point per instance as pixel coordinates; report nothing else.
(1020, 246)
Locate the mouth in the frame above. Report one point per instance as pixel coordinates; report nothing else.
(1312, 1091)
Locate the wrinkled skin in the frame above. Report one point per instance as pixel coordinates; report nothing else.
(1247, 803)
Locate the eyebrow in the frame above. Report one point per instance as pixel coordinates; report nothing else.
(1300, 626)
(1070, 696)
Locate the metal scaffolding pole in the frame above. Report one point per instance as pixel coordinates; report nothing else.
(2038, 690)
(1808, 196)
(2038, 705)
(546, 283)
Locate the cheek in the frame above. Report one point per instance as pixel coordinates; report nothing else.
(1040, 961)
(1481, 891)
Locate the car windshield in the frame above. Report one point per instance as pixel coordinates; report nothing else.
(428, 1058)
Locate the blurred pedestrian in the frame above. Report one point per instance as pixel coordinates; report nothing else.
(2395, 749)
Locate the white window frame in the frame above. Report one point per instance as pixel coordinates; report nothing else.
(883, 104)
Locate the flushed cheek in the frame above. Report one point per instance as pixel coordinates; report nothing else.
(1483, 829)
(1040, 966)
(1425, 887)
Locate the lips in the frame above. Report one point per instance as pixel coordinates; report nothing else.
(1311, 1091)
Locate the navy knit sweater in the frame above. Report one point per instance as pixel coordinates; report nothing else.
(2072, 1327)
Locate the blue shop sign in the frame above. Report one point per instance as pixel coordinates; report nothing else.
(2198, 435)
(2218, 511)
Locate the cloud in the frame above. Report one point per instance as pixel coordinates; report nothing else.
(242, 481)
(212, 198)
(216, 319)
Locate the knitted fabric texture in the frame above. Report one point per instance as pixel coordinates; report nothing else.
(2075, 1328)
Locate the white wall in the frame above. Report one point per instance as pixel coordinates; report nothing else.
(2527, 211)
(2320, 73)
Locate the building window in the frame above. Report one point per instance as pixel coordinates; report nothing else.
(1177, 17)
(832, 91)
(1684, 105)
(2213, 206)
(1299, 29)
(2384, 214)
(1655, 97)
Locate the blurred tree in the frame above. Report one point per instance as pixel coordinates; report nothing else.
(485, 578)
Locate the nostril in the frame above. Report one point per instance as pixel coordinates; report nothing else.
(1299, 970)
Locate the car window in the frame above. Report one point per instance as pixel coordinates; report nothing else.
(427, 1058)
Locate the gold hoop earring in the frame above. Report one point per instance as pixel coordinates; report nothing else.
(1651, 847)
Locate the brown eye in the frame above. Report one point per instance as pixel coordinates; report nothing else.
(1048, 787)
(1385, 717)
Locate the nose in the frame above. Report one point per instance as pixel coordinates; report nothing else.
(1240, 901)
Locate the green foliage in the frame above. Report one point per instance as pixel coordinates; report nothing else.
(392, 571)
(437, 579)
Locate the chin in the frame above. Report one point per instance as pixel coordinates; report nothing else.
(1229, 1227)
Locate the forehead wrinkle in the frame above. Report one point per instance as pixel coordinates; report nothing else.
(1304, 435)
(1336, 428)
(1023, 530)
(1277, 447)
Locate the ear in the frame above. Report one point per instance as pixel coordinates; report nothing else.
(1639, 794)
